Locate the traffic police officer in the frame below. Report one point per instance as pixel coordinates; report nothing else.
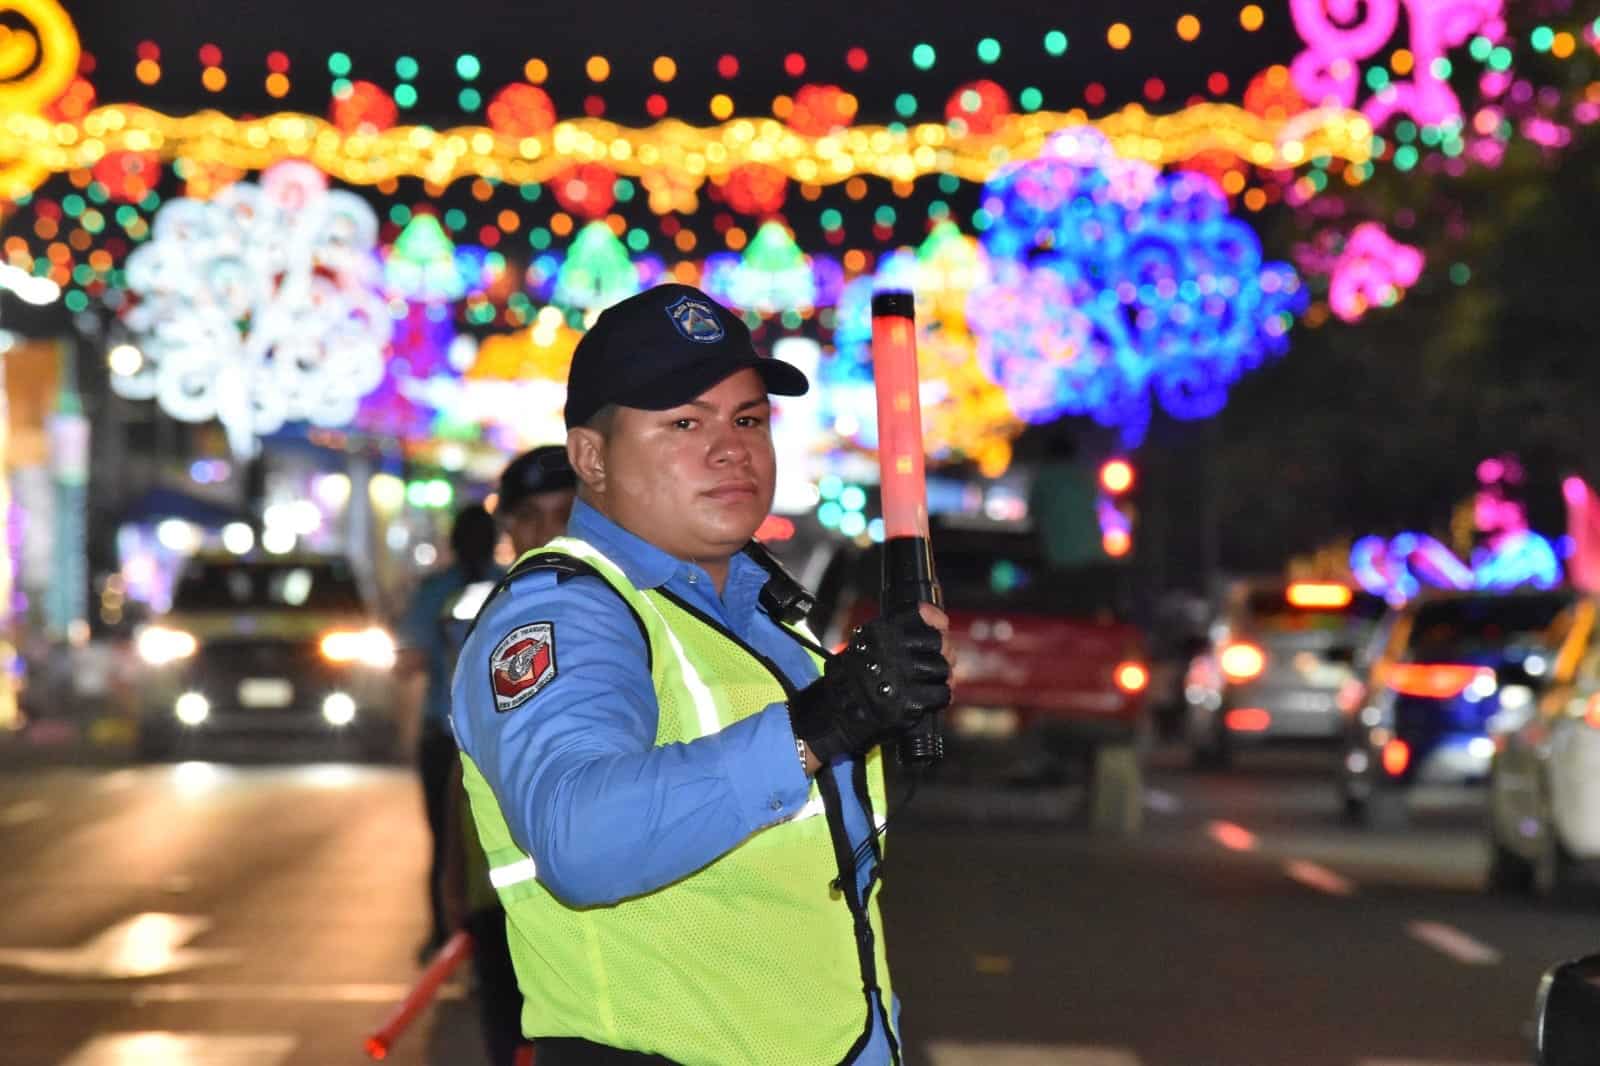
(676, 789)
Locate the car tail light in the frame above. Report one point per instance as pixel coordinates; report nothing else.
(1319, 594)
(1243, 662)
(369, 647)
(1247, 720)
(1396, 757)
(1435, 681)
(1132, 677)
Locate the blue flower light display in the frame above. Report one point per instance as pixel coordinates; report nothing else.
(1112, 282)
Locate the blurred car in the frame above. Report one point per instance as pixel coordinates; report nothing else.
(1050, 672)
(1544, 784)
(1280, 654)
(264, 650)
(1456, 670)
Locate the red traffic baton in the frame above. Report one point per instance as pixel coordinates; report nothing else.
(444, 962)
(908, 574)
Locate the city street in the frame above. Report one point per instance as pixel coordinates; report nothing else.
(269, 915)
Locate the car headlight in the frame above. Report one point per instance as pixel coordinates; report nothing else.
(369, 647)
(160, 645)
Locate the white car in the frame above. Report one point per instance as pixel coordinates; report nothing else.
(1544, 785)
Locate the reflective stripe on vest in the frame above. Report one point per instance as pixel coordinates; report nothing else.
(751, 958)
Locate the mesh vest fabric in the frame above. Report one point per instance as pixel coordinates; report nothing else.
(751, 959)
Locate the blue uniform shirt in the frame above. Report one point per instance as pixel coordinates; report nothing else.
(605, 813)
(423, 629)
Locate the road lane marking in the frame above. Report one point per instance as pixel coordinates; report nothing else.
(119, 781)
(1162, 802)
(194, 992)
(1231, 836)
(184, 1049)
(1431, 1062)
(1319, 877)
(1454, 943)
(144, 945)
(948, 1053)
(24, 812)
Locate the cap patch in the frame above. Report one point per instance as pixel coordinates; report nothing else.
(521, 664)
(695, 320)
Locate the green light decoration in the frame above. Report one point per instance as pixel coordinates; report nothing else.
(422, 263)
(923, 56)
(406, 68)
(596, 272)
(773, 250)
(468, 67)
(405, 96)
(772, 276)
(988, 49)
(1031, 99)
(1055, 43)
(339, 65)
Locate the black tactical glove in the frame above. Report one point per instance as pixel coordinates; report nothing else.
(887, 677)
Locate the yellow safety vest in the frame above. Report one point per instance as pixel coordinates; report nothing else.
(753, 958)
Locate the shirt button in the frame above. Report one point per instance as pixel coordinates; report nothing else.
(693, 580)
(775, 803)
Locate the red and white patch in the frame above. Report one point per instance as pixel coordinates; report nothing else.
(521, 664)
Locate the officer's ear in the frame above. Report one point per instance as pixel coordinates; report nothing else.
(586, 451)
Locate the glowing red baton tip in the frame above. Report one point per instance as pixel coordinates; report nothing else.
(901, 462)
(438, 970)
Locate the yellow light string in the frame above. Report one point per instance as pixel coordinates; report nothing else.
(35, 145)
(39, 53)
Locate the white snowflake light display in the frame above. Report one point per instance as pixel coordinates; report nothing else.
(258, 307)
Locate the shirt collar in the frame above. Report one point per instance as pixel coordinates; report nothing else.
(647, 566)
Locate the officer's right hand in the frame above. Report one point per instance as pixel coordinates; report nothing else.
(889, 675)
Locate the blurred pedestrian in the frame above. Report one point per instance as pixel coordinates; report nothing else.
(535, 498)
(676, 788)
(426, 648)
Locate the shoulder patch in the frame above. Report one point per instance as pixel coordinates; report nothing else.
(521, 664)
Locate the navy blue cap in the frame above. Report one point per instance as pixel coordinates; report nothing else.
(544, 469)
(661, 348)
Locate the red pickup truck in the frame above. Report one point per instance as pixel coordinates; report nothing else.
(1051, 673)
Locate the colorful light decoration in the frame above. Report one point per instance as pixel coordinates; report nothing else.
(755, 189)
(980, 105)
(964, 414)
(1583, 527)
(259, 307)
(818, 110)
(425, 266)
(521, 111)
(1112, 282)
(1509, 555)
(420, 349)
(587, 190)
(596, 272)
(363, 107)
(1339, 34)
(772, 275)
(38, 146)
(1373, 270)
(1400, 567)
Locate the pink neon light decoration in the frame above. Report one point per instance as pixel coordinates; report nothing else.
(1372, 270)
(1339, 34)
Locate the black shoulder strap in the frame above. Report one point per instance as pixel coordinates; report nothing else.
(566, 567)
